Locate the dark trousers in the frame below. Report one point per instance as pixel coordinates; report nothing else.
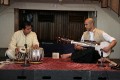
(87, 55)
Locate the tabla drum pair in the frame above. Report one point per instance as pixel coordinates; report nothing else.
(33, 55)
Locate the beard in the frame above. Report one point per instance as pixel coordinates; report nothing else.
(88, 29)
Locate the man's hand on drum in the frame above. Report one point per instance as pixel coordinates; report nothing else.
(35, 46)
(16, 51)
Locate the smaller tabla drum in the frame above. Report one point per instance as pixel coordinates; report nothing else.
(36, 55)
(20, 56)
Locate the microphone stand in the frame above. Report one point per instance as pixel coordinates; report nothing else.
(26, 63)
(101, 62)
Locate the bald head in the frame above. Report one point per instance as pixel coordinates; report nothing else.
(89, 20)
(89, 24)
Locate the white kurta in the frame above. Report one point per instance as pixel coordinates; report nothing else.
(19, 40)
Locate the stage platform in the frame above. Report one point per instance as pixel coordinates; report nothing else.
(58, 69)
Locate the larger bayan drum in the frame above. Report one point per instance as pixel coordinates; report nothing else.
(36, 55)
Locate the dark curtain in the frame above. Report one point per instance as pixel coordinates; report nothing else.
(51, 24)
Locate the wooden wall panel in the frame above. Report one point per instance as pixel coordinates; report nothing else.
(16, 19)
(104, 3)
(115, 5)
